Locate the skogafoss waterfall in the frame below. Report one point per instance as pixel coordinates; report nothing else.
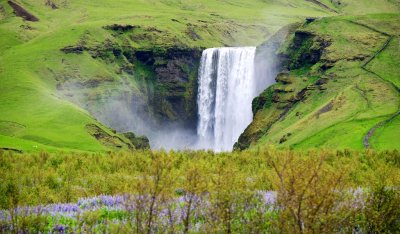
(226, 89)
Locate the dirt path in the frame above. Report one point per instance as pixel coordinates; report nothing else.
(367, 137)
(371, 132)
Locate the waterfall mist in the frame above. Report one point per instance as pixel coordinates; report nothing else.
(127, 115)
(229, 79)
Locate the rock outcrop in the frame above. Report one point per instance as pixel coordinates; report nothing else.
(304, 50)
(165, 81)
(117, 141)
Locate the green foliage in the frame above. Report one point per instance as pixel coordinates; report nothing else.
(382, 210)
(264, 100)
(315, 189)
(299, 52)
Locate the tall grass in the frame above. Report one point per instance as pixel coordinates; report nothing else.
(199, 191)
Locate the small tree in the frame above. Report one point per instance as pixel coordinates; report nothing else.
(311, 195)
(154, 186)
(194, 186)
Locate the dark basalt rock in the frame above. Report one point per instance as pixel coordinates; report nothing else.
(310, 20)
(324, 109)
(305, 50)
(172, 72)
(116, 140)
(121, 28)
(146, 57)
(322, 5)
(176, 83)
(73, 49)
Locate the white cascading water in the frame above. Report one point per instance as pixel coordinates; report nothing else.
(225, 93)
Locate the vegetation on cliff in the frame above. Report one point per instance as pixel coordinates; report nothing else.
(67, 64)
(338, 87)
(82, 62)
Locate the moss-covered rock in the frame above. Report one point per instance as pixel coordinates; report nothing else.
(111, 140)
(305, 50)
(139, 142)
(160, 85)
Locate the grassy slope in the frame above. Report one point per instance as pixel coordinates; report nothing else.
(34, 116)
(359, 99)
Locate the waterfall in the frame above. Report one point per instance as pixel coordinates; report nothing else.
(226, 89)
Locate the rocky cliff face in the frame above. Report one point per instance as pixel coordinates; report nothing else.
(175, 86)
(300, 49)
(154, 86)
(268, 64)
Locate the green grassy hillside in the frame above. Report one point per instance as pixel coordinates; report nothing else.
(341, 89)
(48, 97)
(36, 116)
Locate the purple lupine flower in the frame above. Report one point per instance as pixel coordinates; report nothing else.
(359, 197)
(59, 229)
(269, 197)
